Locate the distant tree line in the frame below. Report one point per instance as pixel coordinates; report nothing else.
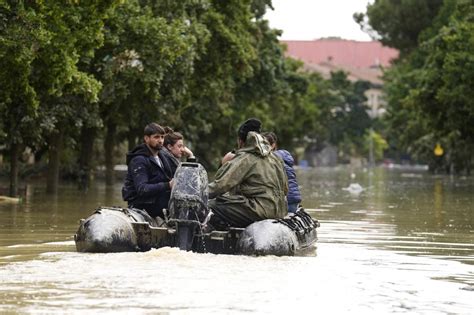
(80, 79)
(429, 88)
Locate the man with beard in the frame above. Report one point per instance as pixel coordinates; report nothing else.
(150, 174)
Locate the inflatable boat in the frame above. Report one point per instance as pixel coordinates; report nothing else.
(114, 229)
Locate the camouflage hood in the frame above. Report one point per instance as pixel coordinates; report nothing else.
(256, 144)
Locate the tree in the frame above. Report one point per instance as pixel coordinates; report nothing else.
(429, 95)
(244, 73)
(443, 91)
(75, 31)
(80, 71)
(20, 37)
(399, 23)
(145, 67)
(228, 58)
(42, 44)
(343, 114)
(275, 91)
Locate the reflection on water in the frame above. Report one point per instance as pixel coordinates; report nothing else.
(417, 214)
(405, 243)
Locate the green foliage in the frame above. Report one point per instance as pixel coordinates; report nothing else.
(379, 145)
(241, 59)
(343, 113)
(146, 63)
(398, 23)
(79, 70)
(444, 91)
(444, 86)
(42, 44)
(429, 92)
(20, 37)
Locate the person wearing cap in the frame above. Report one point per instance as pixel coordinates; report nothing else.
(252, 185)
(150, 174)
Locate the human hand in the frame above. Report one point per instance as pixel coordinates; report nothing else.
(171, 183)
(229, 156)
(187, 152)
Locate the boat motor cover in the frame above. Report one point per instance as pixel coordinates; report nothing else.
(189, 195)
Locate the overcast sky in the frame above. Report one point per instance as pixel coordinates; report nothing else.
(312, 19)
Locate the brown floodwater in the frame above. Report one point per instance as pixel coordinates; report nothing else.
(395, 241)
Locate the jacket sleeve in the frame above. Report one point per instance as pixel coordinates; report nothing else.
(228, 176)
(141, 178)
(286, 187)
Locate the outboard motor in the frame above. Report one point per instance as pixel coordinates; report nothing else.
(188, 202)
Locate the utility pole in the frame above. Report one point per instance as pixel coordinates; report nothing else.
(371, 148)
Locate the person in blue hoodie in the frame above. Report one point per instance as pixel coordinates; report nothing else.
(294, 196)
(150, 174)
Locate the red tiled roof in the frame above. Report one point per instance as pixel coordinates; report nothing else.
(345, 53)
(373, 75)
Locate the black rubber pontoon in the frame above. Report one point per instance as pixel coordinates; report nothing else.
(111, 229)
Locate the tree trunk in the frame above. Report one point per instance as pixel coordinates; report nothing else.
(52, 180)
(132, 138)
(88, 136)
(14, 167)
(109, 147)
(470, 161)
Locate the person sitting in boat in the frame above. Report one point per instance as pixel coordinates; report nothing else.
(251, 186)
(174, 146)
(150, 174)
(294, 196)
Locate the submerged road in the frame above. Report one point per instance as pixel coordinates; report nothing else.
(403, 244)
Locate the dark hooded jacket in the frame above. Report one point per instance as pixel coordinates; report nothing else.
(294, 195)
(147, 184)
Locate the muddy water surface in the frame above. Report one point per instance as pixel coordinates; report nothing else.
(398, 242)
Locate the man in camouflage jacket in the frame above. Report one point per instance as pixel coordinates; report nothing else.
(250, 187)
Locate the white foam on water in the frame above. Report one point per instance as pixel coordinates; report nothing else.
(340, 278)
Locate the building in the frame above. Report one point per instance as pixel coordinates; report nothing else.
(361, 60)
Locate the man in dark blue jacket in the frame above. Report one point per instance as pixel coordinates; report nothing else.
(294, 196)
(150, 174)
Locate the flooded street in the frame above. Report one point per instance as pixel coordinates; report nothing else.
(398, 242)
